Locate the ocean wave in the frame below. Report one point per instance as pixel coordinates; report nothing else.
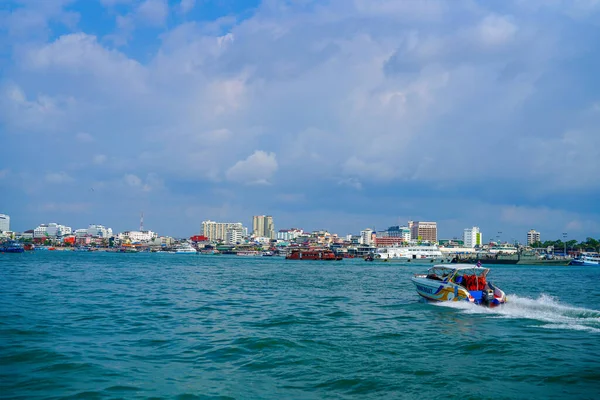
(545, 309)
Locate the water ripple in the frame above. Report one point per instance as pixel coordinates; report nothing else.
(192, 327)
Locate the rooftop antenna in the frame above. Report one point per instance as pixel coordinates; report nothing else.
(142, 222)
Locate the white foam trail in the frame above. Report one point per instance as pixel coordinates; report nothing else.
(544, 309)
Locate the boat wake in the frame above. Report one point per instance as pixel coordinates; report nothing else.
(545, 309)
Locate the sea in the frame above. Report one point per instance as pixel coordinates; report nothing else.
(184, 326)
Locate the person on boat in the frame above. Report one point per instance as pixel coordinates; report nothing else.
(479, 263)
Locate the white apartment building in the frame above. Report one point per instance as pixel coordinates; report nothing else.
(532, 237)
(366, 237)
(234, 235)
(80, 232)
(138, 236)
(217, 231)
(289, 234)
(4, 223)
(56, 230)
(472, 237)
(40, 231)
(99, 231)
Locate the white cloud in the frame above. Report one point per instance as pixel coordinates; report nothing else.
(153, 12)
(132, 180)
(497, 30)
(58, 178)
(186, 6)
(258, 168)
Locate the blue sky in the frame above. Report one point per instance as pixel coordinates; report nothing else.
(339, 115)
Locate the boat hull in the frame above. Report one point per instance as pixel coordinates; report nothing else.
(439, 291)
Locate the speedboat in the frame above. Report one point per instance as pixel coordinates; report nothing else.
(459, 282)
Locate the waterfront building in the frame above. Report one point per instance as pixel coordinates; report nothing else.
(386, 241)
(234, 235)
(289, 234)
(163, 241)
(472, 237)
(56, 230)
(4, 223)
(423, 231)
(138, 236)
(40, 231)
(80, 232)
(532, 237)
(402, 232)
(98, 231)
(366, 237)
(262, 225)
(217, 231)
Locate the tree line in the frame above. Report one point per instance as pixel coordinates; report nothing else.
(589, 244)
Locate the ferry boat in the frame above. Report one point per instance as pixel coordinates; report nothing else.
(410, 254)
(587, 258)
(11, 247)
(459, 282)
(185, 248)
(313, 254)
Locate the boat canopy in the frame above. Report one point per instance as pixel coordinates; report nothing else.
(444, 271)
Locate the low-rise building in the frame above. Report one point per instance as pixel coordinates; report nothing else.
(138, 236)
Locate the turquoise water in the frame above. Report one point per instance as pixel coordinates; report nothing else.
(96, 325)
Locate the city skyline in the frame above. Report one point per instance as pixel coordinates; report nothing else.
(244, 230)
(338, 115)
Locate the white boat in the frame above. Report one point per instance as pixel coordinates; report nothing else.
(459, 282)
(587, 259)
(248, 253)
(426, 254)
(185, 248)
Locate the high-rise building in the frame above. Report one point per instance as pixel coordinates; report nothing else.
(4, 223)
(425, 231)
(262, 226)
(532, 237)
(366, 237)
(472, 237)
(217, 231)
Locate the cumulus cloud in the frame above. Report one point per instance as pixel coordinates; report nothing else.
(396, 97)
(258, 168)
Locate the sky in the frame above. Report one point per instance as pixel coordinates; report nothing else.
(332, 114)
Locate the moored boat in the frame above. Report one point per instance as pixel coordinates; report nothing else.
(185, 248)
(11, 247)
(459, 282)
(248, 253)
(424, 254)
(313, 254)
(587, 258)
